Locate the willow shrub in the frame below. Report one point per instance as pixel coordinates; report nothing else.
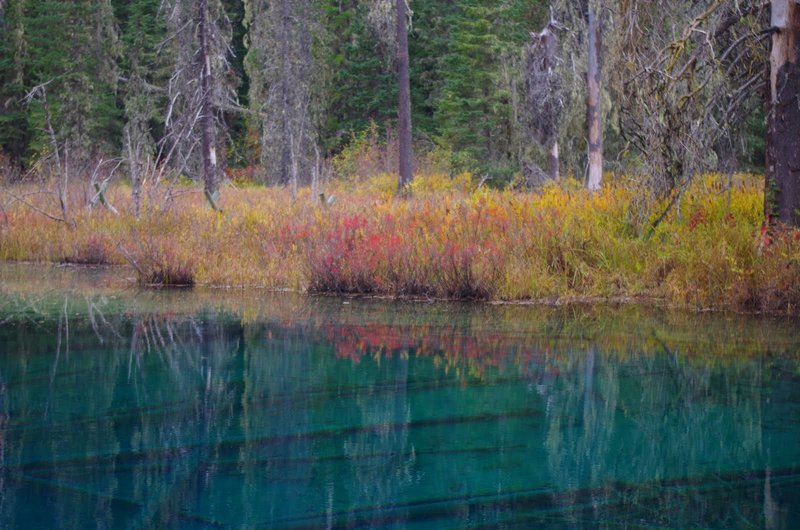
(443, 239)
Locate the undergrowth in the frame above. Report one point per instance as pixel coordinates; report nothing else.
(447, 239)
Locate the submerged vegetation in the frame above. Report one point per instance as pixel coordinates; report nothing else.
(468, 339)
(449, 239)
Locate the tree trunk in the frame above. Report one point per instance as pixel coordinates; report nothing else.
(593, 99)
(404, 99)
(134, 163)
(295, 149)
(315, 175)
(550, 50)
(782, 191)
(207, 121)
(286, 142)
(552, 161)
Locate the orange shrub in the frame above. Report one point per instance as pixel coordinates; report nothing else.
(445, 240)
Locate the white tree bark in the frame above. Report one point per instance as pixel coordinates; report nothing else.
(593, 99)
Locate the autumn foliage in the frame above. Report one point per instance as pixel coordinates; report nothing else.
(446, 240)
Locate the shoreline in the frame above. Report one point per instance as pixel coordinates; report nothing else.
(563, 301)
(554, 246)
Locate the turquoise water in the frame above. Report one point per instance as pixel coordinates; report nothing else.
(203, 410)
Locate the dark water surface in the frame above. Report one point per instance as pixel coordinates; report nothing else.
(213, 409)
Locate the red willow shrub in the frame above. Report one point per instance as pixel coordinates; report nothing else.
(343, 259)
(415, 252)
(445, 240)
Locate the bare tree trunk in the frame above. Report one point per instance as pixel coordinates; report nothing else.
(550, 62)
(593, 99)
(64, 192)
(209, 131)
(286, 152)
(315, 175)
(404, 99)
(134, 163)
(553, 162)
(782, 192)
(295, 148)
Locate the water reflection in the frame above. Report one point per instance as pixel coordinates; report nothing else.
(158, 411)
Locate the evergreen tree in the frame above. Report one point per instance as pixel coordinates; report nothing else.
(14, 133)
(474, 109)
(429, 40)
(363, 87)
(78, 76)
(143, 72)
(240, 151)
(467, 109)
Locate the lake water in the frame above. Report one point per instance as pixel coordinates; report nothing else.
(211, 409)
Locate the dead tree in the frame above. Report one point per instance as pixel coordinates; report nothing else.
(209, 148)
(782, 193)
(686, 79)
(284, 84)
(404, 99)
(594, 96)
(544, 94)
(138, 142)
(200, 87)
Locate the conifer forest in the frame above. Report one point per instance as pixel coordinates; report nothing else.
(611, 148)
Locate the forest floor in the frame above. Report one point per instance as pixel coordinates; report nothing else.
(557, 245)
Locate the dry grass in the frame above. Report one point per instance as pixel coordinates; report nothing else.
(447, 240)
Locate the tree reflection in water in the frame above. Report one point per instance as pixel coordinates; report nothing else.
(178, 410)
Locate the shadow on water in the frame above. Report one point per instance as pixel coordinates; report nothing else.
(211, 409)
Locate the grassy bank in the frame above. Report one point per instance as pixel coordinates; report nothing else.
(447, 240)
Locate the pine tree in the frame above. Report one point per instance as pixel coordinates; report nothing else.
(143, 72)
(363, 89)
(78, 76)
(14, 132)
(467, 107)
(428, 45)
(240, 151)
(474, 108)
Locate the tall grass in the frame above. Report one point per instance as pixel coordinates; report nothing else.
(446, 240)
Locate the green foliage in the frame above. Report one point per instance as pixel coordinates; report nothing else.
(14, 133)
(428, 44)
(462, 68)
(240, 152)
(755, 132)
(363, 88)
(473, 111)
(107, 76)
(79, 71)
